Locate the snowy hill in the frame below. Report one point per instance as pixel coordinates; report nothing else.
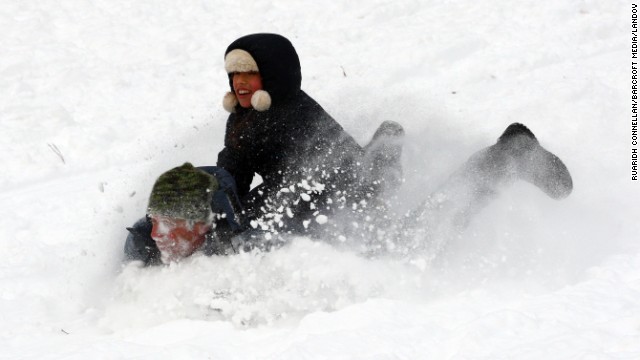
(101, 97)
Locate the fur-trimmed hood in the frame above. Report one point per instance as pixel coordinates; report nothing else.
(277, 61)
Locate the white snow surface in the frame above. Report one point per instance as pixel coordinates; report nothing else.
(100, 97)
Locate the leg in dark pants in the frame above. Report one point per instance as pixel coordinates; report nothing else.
(516, 156)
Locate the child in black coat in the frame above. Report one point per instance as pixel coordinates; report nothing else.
(310, 166)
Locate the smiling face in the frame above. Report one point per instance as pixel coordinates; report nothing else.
(177, 238)
(244, 85)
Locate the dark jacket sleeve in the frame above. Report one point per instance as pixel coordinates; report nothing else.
(235, 160)
(139, 244)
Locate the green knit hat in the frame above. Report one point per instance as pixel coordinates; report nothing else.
(183, 192)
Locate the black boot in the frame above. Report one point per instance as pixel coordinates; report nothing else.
(382, 156)
(534, 163)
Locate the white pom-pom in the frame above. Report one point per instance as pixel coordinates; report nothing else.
(229, 102)
(261, 100)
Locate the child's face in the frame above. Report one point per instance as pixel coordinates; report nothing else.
(244, 85)
(177, 238)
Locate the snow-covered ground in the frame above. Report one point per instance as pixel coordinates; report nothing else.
(100, 97)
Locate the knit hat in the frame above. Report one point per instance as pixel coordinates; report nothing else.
(183, 192)
(275, 58)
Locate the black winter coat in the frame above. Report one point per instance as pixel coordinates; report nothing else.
(294, 140)
(286, 144)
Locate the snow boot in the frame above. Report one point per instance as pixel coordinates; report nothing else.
(534, 163)
(382, 156)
